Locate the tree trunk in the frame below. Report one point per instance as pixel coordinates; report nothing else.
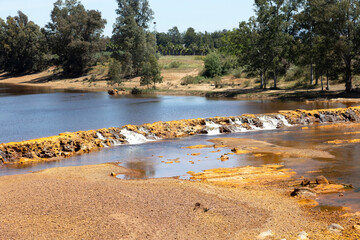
(322, 84)
(261, 80)
(348, 77)
(311, 74)
(275, 80)
(327, 82)
(316, 80)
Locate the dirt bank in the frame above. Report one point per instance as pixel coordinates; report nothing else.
(87, 203)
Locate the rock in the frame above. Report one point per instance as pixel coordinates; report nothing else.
(113, 92)
(356, 227)
(266, 234)
(305, 182)
(321, 180)
(329, 188)
(302, 236)
(303, 192)
(113, 174)
(336, 228)
(224, 158)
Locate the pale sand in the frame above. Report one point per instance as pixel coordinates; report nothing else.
(87, 203)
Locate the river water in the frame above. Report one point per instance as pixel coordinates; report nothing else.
(28, 113)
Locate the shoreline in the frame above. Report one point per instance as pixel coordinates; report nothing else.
(83, 84)
(87, 203)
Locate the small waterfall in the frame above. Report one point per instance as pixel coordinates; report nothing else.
(212, 128)
(133, 137)
(269, 123)
(100, 136)
(236, 125)
(284, 120)
(252, 125)
(148, 134)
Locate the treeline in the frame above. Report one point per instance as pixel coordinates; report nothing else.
(73, 41)
(322, 35)
(188, 43)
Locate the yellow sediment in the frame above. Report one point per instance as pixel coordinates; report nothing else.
(244, 175)
(199, 146)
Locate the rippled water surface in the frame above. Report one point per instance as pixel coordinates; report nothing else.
(31, 113)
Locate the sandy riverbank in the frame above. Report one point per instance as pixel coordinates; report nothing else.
(87, 203)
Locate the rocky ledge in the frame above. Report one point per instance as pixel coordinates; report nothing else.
(67, 144)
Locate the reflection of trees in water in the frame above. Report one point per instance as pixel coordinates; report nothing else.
(145, 169)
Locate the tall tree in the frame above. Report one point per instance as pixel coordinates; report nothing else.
(132, 43)
(75, 35)
(23, 45)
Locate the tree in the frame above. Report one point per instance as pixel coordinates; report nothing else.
(23, 45)
(75, 35)
(213, 65)
(190, 37)
(151, 73)
(175, 35)
(132, 43)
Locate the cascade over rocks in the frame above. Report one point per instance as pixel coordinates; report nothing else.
(68, 144)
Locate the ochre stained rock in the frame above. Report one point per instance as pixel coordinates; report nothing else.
(234, 177)
(67, 144)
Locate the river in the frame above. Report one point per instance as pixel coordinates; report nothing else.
(28, 113)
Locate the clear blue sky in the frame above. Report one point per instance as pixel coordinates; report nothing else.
(203, 15)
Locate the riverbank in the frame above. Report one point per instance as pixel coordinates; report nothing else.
(175, 83)
(88, 203)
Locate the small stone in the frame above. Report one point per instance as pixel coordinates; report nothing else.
(113, 174)
(321, 180)
(335, 228)
(305, 182)
(357, 227)
(224, 158)
(341, 194)
(302, 236)
(266, 234)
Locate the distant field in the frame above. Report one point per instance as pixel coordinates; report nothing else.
(180, 63)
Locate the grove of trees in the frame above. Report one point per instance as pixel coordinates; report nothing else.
(323, 35)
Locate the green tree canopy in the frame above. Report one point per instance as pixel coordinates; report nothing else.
(22, 45)
(133, 45)
(75, 35)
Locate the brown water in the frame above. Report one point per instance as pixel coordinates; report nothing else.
(32, 113)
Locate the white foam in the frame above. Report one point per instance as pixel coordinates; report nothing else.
(269, 123)
(284, 120)
(100, 136)
(212, 128)
(133, 137)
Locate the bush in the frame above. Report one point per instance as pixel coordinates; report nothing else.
(237, 73)
(135, 91)
(115, 73)
(174, 64)
(192, 80)
(213, 65)
(228, 63)
(294, 73)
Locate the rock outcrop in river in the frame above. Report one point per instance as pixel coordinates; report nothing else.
(67, 144)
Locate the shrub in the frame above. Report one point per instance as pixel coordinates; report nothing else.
(213, 66)
(115, 73)
(192, 80)
(174, 64)
(135, 90)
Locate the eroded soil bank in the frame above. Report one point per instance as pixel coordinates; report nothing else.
(87, 203)
(68, 144)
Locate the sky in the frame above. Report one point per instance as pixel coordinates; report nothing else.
(202, 15)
